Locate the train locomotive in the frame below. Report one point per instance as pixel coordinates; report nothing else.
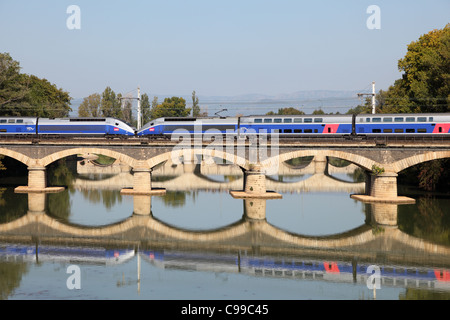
(33, 126)
(304, 125)
(296, 126)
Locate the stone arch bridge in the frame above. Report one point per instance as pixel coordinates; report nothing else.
(255, 159)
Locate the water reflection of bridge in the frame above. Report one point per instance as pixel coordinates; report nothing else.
(251, 245)
(315, 176)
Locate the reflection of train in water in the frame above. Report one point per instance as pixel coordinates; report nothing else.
(298, 268)
(89, 255)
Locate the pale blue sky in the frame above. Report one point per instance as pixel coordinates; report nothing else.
(215, 47)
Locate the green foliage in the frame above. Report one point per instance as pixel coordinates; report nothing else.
(28, 95)
(425, 83)
(91, 106)
(286, 111)
(171, 107)
(195, 106)
(360, 109)
(145, 108)
(110, 104)
(377, 170)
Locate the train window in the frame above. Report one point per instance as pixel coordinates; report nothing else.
(287, 130)
(19, 121)
(275, 130)
(410, 130)
(410, 119)
(277, 120)
(430, 119)
(11, 121)
(421, 119)
(297, 120)
(287, 120)
(308, 120)
(376, 120)
(297, 130)
(398, 130)
(440, 129)
(421, 130)
(267, 120)
(376, 130)
(308, 130)
(398, 119)
(367, 119)
(318, 120)
(257, 121)
(3, 121)
(387, 130)
(387, 119)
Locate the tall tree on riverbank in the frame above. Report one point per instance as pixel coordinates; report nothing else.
(27, 95)
(171, 107)
(195, 106)
(425, 83)
(90, 107)
(424, 87)
(110, 104)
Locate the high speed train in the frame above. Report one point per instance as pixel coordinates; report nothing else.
(108, 127)
(285, 125)
(305, 125)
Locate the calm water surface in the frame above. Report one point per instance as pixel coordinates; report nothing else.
(259, 261)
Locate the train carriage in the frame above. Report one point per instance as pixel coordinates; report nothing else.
(195, 126)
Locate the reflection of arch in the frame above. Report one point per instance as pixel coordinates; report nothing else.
(69, 152)
(360, 161)
(190, 153)
(16, 156)
(419, 158)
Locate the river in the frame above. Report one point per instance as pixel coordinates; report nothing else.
(196, 242)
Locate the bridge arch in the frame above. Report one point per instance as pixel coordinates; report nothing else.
(16, 156)
(358, 160)
(83, 150)
(420, 158)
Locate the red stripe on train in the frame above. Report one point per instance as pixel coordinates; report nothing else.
(445, 127)
(330, 128)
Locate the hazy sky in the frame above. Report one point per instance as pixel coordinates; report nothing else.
(214, 47)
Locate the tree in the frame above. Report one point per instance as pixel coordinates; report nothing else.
(90, 107)
(13, 88)
(28, 95)
(171, 107)
(145, 108)
(127, 112)
(286, 111)
(425, 82)
(110, 104)
(195, 106)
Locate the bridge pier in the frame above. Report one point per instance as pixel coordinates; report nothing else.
(142, 183)
(255, 209)
(142, 205)
(255, 186)
(382, 188)
(37, 182)
(36, 203)
(320, 164)
(384, 214)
